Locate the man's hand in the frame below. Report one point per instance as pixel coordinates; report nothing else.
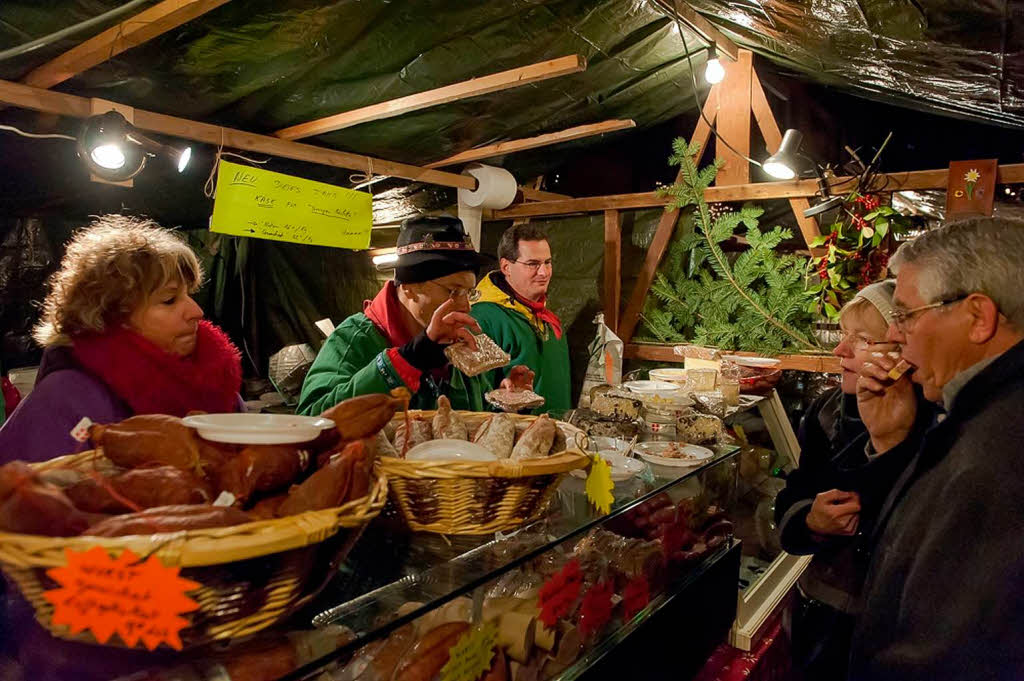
(448, 325)
(519, 378)
(888, 408)
(835, 512)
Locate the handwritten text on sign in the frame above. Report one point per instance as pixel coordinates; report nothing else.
(259, 203)
(139, 601)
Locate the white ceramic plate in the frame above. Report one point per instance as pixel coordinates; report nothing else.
(651, 452)
(602, 443)
(652, 387)
(755, 362)
(449, 450)
(623, 468)
(258, 429)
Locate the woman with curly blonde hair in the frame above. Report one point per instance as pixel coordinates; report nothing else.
(121, 336)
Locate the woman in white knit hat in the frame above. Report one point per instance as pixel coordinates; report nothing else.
(830, 501)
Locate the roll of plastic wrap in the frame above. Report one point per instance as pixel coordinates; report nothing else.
(496, 188)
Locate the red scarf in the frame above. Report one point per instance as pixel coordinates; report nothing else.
(386, 314)
(539, 309)
(152, 381)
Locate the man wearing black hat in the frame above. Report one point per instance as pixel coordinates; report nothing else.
(399, 338)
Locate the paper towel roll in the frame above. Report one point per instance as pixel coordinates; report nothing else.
(496, 188)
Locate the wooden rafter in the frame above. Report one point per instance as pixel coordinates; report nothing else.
(664, 353)
(706, 29)
(612, 268)
(48, 101)
(512, 146)
(504, 80)
(131, 32)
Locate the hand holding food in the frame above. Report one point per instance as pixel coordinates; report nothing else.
(448, 325)
(887, 406)
(520, 377)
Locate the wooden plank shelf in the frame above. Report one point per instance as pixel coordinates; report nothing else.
(656, 352)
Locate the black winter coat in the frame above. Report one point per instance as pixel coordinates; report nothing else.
(944, 597)
(832, 443)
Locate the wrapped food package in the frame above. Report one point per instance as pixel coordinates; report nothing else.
(447, 425)
(416, 432)
(615, 405)
(596, 425)
(535, 442)
(169, 519)
(514, 400)
(382, 445)
(143, 488)
(30, 506)
(261, 468)
(496, 434)
(470, 362)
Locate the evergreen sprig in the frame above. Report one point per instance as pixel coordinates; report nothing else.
(753, 301)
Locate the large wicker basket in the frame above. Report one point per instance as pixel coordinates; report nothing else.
(477, 497)
(252, 575)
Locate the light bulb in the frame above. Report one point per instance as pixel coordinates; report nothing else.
(183, 159)
(108, 156)
(714, 72)
(780, 171)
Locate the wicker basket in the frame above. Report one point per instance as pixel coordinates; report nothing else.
(252, 575)
(477, 497)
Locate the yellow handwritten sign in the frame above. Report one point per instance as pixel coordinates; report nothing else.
(471, 656)
(599, 484)
(259, 203)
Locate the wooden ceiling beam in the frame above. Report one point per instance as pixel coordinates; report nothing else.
(512, 146)
(474, 87)
(706, 29)
(131, 32)
(48, 101)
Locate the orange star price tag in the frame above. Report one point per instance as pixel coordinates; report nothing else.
(138, 601)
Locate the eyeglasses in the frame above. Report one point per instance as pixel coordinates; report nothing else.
(534, 265)
(857, 342)
(471, 294)
(903, 318)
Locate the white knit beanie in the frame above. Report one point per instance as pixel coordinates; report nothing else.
(880, 295)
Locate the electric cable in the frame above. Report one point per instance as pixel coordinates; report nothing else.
(35, 135)
(45, 40)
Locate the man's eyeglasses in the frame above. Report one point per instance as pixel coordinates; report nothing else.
(903, 318)
(534, 265)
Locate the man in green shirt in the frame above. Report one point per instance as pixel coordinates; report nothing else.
(512, 310)
(399, 338)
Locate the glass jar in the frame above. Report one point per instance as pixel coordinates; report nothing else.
(729, 383)
(701, 380)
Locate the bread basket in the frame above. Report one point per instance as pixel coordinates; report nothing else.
(477, 497)
(251, 575)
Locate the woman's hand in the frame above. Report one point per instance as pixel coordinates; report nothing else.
(519, 378)
(888, 408)
(448, 325)
(835, 512)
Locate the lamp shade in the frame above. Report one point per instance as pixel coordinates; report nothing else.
(783, 163)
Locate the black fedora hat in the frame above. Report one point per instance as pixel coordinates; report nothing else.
(434, 247)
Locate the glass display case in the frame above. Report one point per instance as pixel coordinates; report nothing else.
(562, 595)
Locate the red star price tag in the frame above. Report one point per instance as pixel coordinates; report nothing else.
(596, 609)
(558, 595)
(635, 597)
(138, 601)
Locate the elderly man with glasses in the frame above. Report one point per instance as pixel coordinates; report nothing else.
(512, 309)
(398, 339)
(944, 597)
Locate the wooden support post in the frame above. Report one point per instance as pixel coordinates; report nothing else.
(474, 87)
(612, 268)
(773, 138)
(734, 121)
(663, 233)
(144, 26)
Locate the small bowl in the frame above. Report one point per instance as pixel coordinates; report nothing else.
(623, 467)
(449, 450)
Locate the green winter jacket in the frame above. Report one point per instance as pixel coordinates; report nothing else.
(528, 340)
(354, 361)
